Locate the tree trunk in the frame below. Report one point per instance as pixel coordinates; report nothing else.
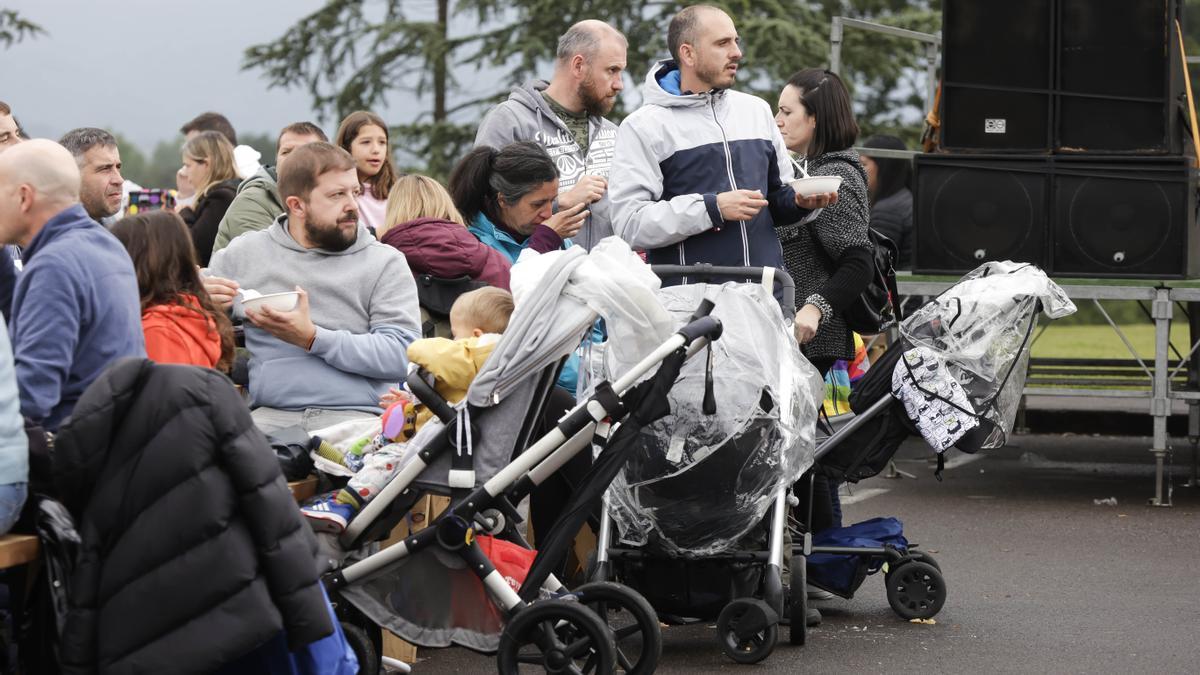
(440, 161)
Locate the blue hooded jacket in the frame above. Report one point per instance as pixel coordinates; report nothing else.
(502, 241)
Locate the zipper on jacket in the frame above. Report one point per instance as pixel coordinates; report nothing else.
(712, 105)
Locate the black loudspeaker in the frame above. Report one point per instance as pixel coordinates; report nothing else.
(998, 74)
(1103, 217)
(975, 208)
(1119, 77)
(1066, 76)
(1128, 217)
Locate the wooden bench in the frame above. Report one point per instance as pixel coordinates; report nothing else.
(18, 549)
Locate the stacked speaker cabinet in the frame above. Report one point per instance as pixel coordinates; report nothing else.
(1083, 216)
(1064, 142)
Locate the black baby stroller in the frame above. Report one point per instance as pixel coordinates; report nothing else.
(955, 377)
(437, 587)
(684, 522)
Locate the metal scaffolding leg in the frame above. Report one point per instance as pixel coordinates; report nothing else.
(1194, 439)
(1160, 401)
(1193, 379)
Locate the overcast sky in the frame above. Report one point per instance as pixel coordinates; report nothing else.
(144, 67)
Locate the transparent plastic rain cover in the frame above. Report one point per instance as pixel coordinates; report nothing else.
(982, 328)
(699, 482)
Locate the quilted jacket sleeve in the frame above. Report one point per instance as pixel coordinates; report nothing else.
(286, 547)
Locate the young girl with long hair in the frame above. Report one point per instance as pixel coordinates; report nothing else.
(179, 320)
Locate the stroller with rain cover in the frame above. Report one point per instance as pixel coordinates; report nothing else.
(437, 587)
(955, 377)
(696, 519)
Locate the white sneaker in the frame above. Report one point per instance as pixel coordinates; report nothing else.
(815, 593)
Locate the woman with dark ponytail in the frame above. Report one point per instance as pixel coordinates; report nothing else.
(507, 197)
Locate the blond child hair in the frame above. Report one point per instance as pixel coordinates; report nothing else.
(486, 310)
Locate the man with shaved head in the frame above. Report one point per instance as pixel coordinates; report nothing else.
(76, 306)
(566, 116)
(701, 174)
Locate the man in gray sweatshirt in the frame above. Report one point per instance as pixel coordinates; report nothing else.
(346, 341)
(566, 117)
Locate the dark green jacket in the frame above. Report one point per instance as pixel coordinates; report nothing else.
(256, 206)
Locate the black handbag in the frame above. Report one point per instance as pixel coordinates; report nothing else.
(877, 308)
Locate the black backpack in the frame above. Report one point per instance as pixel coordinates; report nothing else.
(867, 450)
(878, 307)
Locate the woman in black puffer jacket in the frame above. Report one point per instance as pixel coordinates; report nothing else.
(193, 552)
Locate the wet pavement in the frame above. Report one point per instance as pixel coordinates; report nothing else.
(1040, 577)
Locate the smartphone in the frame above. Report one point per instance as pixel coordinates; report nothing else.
(149, 200)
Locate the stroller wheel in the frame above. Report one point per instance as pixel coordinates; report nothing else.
(365, 651)
(748, 629)
(915, 590)
(633, 621)
(560, 636)
(798, 602)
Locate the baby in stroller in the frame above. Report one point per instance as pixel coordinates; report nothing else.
(477, 319)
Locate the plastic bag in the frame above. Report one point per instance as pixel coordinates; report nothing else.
(698, 483)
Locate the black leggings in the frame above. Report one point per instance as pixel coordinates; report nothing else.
(826, 506)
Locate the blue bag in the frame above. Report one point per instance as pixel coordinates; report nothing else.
(843, 574)
(331, 655)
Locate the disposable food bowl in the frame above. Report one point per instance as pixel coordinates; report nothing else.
(280, 302)
(816, 185)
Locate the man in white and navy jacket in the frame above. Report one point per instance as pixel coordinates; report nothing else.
(700, 172)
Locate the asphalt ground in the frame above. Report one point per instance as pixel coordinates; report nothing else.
(1040, 578)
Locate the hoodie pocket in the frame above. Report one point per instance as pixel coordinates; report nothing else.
(298, 382)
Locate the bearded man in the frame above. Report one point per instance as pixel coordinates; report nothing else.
(345, 342)
(566, 117)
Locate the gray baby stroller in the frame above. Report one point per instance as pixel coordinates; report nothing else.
(437, 587)
(696, 519)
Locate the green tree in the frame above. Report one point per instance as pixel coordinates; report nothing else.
(351, 54)
(161, 164)
(15, 28)
(134, 165)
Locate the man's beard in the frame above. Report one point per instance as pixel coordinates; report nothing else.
(330, 237)
(97, 206)
(714, 77)
(593, 104)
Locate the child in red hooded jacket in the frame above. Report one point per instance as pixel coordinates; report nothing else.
(180, 321)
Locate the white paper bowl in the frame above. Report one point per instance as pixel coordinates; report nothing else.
(816, 185)
(280, 302)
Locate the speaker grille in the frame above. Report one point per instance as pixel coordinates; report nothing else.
(1122, 219)
(972, 210)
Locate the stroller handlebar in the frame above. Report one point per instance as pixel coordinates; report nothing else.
(705, 272)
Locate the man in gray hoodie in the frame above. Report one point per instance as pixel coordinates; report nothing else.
(566, 116)
(333, 355)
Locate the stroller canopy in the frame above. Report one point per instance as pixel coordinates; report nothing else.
(558, 296)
